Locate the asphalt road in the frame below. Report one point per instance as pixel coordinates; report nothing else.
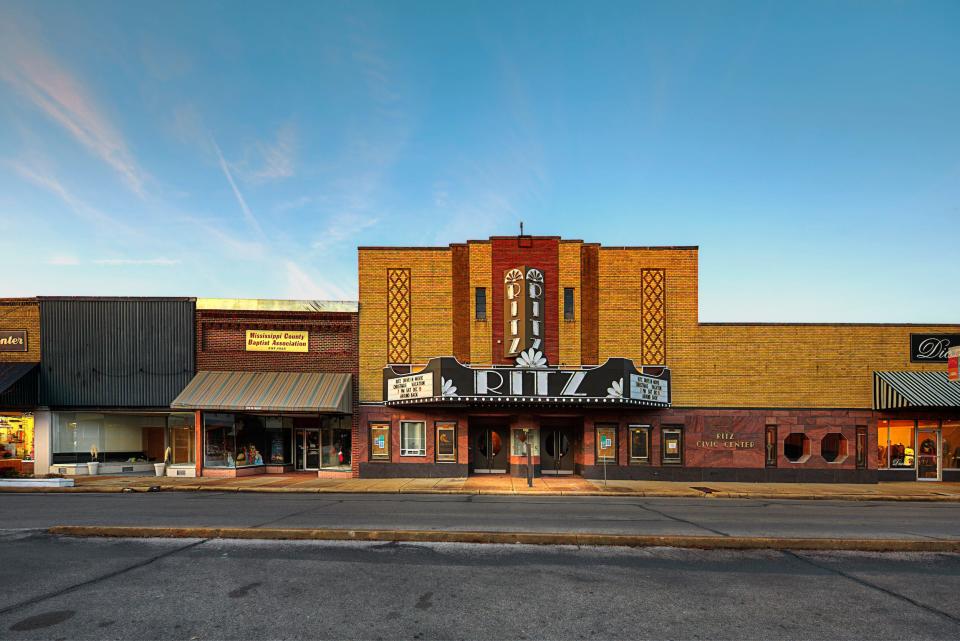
(66, 588)
(603, 515)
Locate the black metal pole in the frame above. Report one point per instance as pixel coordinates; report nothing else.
(529, 465)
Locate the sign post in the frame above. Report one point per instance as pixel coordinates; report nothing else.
(526, 443)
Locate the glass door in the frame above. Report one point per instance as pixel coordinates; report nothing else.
(928, 453)
(307, 443)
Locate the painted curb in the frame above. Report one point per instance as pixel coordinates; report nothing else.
(528, 538)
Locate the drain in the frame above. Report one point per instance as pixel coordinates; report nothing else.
(701, 488)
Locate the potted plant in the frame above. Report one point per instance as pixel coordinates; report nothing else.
(94, 464)
(161, 468)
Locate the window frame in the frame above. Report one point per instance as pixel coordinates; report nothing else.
(388, 441)
(860, 447)
(439, 426)
(768, 432)
(569, 313)
(480, 295)
(598, 459)
(670, 429)
(423, 439)
(639, 460)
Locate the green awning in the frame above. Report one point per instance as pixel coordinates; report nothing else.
(268, 392)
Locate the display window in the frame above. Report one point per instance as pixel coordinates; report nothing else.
(895, 444)
(413, 440)
(671, 452)
(950, 445)
(446, 446)
(16, 437)
(379, 441)
(117, 437)
(639, 444)
(606, 443)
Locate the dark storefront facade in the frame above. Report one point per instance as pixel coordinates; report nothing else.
(19, 366)
(109, 369)
(275, 387)
(595, 356)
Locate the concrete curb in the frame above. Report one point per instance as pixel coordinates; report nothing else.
(88, 489)
(528, 538)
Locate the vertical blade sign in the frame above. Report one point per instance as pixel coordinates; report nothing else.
(523, 311)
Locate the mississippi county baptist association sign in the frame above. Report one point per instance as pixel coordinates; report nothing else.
(531, 381)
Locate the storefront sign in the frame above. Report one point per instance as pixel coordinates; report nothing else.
(615, 382)
(953, 364)
(932, 348)
(410, 387)
(727, 441)
(264, 340)
(13, 340)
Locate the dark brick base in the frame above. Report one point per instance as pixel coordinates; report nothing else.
(411, 470)
(736, 474)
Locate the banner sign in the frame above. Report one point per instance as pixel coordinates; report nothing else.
(953, 363)
(13, 340)
(932, 348)
(267, 340)
(447, 381)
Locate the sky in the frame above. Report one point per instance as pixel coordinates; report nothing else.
(810, 149)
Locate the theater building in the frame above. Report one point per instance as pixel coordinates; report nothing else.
(275, 386)
(596, 357)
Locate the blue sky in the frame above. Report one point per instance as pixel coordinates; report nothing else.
(811, 150)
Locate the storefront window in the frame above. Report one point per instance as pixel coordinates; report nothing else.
(335, 443)
(796, 447)
(606, 444)
(833, 448)
(219, 440)
(950, 444)
(446, 447)
(639, 443)
(117, 437)
(672, 450)
(16, 436)
(379, 441)
(181, 438)
(895, 444)
(244, 440)
(412, 438)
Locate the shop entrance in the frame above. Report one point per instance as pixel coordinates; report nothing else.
(556, 451)
(928, 454)
(307, 447)
(489, 450)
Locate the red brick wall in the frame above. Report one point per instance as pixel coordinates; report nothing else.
(333, 347)
(542, 253)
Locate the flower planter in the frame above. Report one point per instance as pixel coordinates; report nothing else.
(160, 468)
(92, 468)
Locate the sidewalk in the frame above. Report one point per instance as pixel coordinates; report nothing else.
(505, 485)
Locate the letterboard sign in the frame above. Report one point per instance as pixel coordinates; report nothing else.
(931, 348)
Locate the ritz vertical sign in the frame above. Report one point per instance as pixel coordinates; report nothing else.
(523, 311)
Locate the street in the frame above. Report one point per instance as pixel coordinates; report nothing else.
(71, 588)
(603, 515)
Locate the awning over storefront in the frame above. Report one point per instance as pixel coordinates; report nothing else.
(892, 390)
(267, 392)
(18, 385)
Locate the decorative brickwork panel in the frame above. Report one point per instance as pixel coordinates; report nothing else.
(653, 316)
(398, 315)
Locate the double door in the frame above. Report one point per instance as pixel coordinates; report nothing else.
(490, 450)
(306, 443)
(316, 447)
(556, 451)
(928, 454)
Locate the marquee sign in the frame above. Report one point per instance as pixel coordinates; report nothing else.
(931, 348)
(446, 381)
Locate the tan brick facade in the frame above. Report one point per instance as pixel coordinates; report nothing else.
(21, 314)
(721, 365)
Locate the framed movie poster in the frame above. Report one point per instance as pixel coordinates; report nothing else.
(606, 444)
(380, 441)
(446, 449)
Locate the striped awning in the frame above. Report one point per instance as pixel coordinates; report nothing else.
(267, 392)
(892, 390)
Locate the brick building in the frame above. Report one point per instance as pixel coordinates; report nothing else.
(596, 357)
(275, 389)
(19, 368)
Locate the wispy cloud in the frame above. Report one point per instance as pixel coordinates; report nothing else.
(303, 286)
(50, 87)
(277, 158)
(63, 261)
(247, 214)
(46, 180)
(340, 227)
(120, 262)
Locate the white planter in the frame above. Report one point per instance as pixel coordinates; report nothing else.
(160, 468)
(92, 467)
